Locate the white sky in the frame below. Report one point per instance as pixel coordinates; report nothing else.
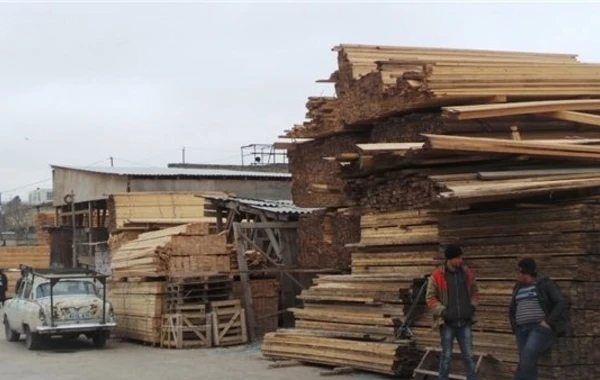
(80, 82)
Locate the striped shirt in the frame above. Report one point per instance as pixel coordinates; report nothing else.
(528, 306)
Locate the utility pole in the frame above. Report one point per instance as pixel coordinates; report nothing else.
(183, 155)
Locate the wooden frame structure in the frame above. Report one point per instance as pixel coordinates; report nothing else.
(268, 228)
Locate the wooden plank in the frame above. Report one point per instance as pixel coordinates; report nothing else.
(518, 108)
(577, 117)
(487, 145)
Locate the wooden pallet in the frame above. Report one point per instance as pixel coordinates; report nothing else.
(191, 329)
(229, 323)
(198, 289)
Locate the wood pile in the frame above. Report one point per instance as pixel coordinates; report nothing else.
(386, 358)
(141, 211)
(37, 256)
(186, 248)
(138, 308)
(265, 303)
(317, 182)
(145, 298)
(322, 238)
(495, 151)
(323, 113)
(41, 220)
(563, 238)
(369, 305)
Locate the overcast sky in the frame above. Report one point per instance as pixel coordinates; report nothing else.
(80, 82)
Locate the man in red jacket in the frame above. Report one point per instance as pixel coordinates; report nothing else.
(452, 295)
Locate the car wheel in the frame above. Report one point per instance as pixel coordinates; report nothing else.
(32, 340)
(11, 335)
(100, 339)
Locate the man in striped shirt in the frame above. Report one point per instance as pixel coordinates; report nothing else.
(537, 315)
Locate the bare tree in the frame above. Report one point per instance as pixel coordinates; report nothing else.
(16, 216)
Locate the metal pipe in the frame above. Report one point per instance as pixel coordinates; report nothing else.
(51, 304)
(74, 247)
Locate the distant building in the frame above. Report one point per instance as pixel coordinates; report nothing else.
(40, 197)
(97, 183)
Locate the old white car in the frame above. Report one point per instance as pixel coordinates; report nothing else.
(59, 302)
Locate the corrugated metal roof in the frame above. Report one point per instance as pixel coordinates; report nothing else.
(275, 206)
(173, 172)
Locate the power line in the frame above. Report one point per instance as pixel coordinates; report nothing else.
(26, 186)
(21, 187)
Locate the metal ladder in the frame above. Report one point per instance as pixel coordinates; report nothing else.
(428, 367)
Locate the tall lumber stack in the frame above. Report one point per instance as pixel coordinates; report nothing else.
(493, 150)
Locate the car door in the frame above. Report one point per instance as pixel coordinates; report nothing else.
(12, 312)
(24, 301)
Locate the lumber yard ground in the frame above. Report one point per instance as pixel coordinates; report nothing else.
(130, 361)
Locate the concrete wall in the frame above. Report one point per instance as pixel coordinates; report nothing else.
(87, 186)
(251, 188)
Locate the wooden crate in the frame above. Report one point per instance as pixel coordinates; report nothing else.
(228, 323)
(190, 327)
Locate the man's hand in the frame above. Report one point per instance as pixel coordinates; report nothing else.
(544, 324)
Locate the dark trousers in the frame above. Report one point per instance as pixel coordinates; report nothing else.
(533, 340)
(464, 337)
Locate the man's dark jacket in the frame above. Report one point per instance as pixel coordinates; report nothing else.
(551, 300)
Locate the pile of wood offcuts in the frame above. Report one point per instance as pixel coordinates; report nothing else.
(495, 151)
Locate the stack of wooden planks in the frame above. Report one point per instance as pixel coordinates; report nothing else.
(317, 182)
(369, 305)
(386, 358)
(323, 115)
(265, 303)
(42, 220)
(37, 256)
(563, 238)
(322, 237)
(186, 248)
(138, 306)
(139, 211)
(496, 151)
(140, 270)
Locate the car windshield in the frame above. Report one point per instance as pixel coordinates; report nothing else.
(63, 288)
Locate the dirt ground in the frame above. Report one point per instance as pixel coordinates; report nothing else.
(129, 361)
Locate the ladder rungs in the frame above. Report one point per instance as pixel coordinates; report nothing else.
(434, 373)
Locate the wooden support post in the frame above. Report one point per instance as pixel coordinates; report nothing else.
(90, 219)
(219, 219)
(104, 217)
(244, 280)
(272, 237)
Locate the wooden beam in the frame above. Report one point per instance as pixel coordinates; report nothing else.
(518, 108)
(258, 249)
(244, 279)
(389, 147)
(576, 117)
(249, 225)
(487, 145)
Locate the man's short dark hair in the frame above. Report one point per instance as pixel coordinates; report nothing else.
(452, 251)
